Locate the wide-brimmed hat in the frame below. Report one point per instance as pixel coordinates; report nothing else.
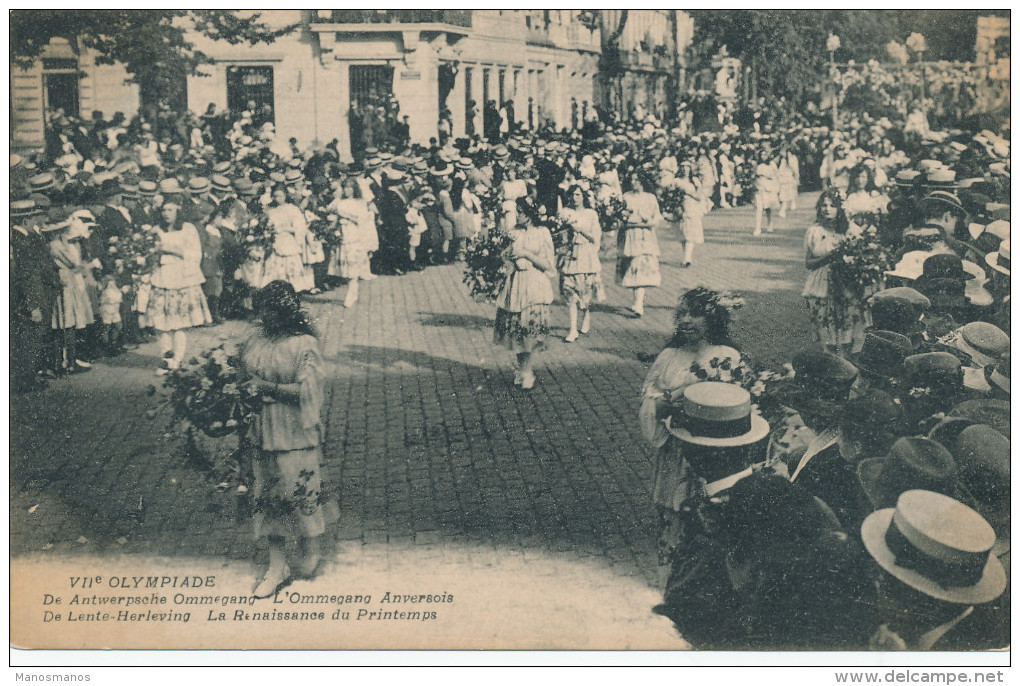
(993, 412)
(912, 462)
(911, 265)
(907, 177)
(717, 417)
(982, 342)
(938, 546)
(22, 208)
(999, 260)
(882, 353)
(949, 200)
(944, 266)
(198, 185)
(170, 186)
(41, 182)
(441, 168)
(822, 375)
(220, 182)
(911, 295)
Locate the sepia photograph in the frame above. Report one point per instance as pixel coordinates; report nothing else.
(477, 329)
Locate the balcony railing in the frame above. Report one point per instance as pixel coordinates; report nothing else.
(452, 17)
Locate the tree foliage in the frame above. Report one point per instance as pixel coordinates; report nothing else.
(153, 45)
(786, 49)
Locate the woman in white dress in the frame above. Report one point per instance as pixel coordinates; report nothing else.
(176, 301)
(357, 225)
(637, 265)
(285, 262)
(581, 266)
(692, 230)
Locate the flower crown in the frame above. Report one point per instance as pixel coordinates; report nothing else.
(712, 303)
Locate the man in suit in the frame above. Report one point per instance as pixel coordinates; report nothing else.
(392, 256)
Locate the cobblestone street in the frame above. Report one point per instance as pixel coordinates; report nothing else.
(443, 466)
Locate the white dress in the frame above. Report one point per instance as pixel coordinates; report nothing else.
(285, 262)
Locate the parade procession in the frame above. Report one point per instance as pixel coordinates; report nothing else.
(698, 318)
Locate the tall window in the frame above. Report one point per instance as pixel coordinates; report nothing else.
(251, 88)
(60, 85)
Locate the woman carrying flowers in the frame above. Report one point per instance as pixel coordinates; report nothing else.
(522, 315)
(581, 266)
(692, 231)
(637, 262)
(285, 364)
(73, 309)
(700, 343)
(176, 301)
(839, 318)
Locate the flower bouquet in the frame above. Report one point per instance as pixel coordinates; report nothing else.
(612, 211)
(492, 206)
(256, 235)
(211, 393)
(326, 229)
(562, 233)
(133, 254)
(867, 208)
(856, 272)
(671, 200)
(484, 264)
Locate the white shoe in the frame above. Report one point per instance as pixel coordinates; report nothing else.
(82, 363)
(517, 379)
(756, 233)
(271, 583)
(571, 337)
(585, 328)
(528, 382)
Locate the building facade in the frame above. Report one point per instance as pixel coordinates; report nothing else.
(317, 82)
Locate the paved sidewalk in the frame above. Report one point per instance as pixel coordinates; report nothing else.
(437, 456)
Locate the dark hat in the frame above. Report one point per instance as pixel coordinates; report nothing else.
(913, 296)
(934, 370)
(896, 314)
(997, 375)
(823, 375)
(938, 546)
(943, 293)
(982, 459)
(871, 413)
(912, 463)
(441, 168)
(883, 353)
(994, 413)
(944, 266)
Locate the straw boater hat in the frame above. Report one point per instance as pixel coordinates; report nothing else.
(982, 342)
(936, 545)
(198, 185)
(21, 209)
(220, 182)
(999, 260)
(147, 189)
(720, 432)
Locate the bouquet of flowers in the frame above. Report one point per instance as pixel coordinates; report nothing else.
(484, 264)
(613, 212)
(867, 208)
(492, 206)
(562, 233)
(326, 229)
(256, 234)
(133, 254)
(671, 201)
(211, 393)
(856, 271)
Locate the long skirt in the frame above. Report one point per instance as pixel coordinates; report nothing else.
(641, 271)
(838, 326)
(291, 269)
(287, 493)
(171, 309)
(73, 309)
(522, 332)
(349, 262)
(579, 286)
